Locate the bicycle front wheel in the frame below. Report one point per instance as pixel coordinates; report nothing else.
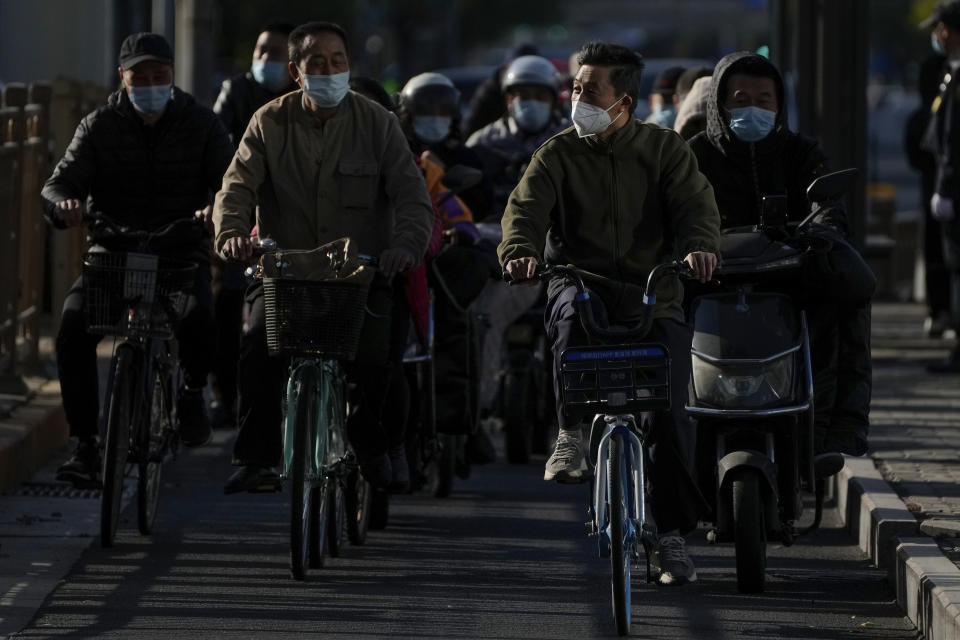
(119, 416)
(151, 451)
(358, 502)
(620, 552)
(303, 472)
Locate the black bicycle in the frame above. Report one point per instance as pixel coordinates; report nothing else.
(137, 297)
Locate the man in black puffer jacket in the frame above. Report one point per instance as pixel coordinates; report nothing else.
(748, 152)
(150, 157)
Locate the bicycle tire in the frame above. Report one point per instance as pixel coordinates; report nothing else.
(117, 442)
(749, 532)
(519, 414)
(320, 502)
(302, 486)
(620, 555)
(358, 498)
(150, 448)
(337, 518)
(446, 462)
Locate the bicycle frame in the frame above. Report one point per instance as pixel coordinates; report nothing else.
(330, 402)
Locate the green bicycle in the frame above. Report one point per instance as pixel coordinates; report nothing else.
(315, 321)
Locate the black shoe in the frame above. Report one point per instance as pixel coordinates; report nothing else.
(827, 464)
(194, 424)
(253, 478)
(377, 470)
(83, 467)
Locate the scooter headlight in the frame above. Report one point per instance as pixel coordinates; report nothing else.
(729, 385)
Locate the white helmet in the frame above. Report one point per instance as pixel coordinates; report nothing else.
(534, 70)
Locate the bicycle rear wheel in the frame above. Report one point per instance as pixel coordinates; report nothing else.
(337, 519)
(119, 416)
(304, 505)
(358, 499)
(150, 447)
(620, 553)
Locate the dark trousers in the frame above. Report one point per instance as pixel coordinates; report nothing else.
(950, 239)
(843, 374)
(77, 352)
(229, 286)
(262, 378)
(677, 502)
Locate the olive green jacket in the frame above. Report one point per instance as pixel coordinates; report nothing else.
(312, 182)
(614, 209)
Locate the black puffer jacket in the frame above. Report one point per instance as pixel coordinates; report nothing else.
(144, 176)
(742, 173)
(240, 96)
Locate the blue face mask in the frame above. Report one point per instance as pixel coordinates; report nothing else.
(663, 115)
(751, 124)
(432, 129)
(937, 46)
(530, 115)
(272, 75)
(150, 100)
(326, 91)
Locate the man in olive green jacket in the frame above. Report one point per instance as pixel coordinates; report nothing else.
(614, 197)
(321, 163)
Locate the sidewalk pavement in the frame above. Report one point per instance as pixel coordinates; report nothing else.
(903, 505)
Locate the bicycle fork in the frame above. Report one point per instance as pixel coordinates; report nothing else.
(638, 527)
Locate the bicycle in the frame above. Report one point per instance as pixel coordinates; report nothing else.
(623, 384)
(137, 297)
(315, 321)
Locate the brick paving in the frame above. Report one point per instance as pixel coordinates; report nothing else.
(915, 415)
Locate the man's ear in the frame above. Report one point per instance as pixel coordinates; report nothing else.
(120, 75)
(294, 71)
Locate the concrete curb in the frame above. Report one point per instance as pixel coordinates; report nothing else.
(926, 582)
(31, 433)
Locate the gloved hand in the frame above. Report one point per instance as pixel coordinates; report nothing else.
(942, 208)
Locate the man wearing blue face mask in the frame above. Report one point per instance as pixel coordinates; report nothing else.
(314, 166)
(663, 98)
(531, 118)
(147, 158)
(268, 78)
(748, 152)
(240, 96)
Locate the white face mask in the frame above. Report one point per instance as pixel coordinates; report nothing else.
(591, 120)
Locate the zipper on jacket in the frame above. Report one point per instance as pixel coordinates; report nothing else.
(615, 215)
(756, 180)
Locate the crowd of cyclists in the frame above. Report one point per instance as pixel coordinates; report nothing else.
(300, 151)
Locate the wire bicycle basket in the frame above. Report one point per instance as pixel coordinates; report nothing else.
(135, 294)
(314, 317)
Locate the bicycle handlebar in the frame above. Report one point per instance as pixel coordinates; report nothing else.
(584, 306)
(143, 236)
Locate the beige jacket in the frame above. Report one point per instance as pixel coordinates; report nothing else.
(314, 181)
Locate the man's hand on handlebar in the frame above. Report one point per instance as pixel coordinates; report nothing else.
(521, 269)
(238, 248)
(396, 260)
(702, 263)
(71, 211)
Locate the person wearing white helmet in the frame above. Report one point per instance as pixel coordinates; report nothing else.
(530, 86)
(530, 95)
(428, 107)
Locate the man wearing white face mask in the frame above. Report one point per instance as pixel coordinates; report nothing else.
(313, 166)
(149, 157)
(615, 197)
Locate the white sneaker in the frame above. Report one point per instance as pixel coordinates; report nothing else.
(676, 567)
(567, 465)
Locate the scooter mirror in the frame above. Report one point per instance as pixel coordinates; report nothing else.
(831, 186)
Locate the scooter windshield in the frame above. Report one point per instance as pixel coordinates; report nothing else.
(749, 326)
